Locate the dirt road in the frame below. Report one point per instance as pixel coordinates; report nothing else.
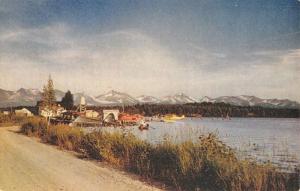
(26, 164)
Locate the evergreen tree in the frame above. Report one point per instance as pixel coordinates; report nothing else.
(68, 101)
(48, 95)
(44, 97)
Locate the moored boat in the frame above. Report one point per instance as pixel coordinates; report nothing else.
(172, 118)
(143, 126)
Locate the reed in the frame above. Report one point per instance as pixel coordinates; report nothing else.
(207, 164)
(11, 119)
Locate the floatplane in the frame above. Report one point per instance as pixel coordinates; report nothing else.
(172, 118)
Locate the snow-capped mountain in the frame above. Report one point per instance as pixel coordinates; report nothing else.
(252, 100)
(245, 100)
(148, 99)
(281, 103)
(4, 94)
(26, 97)
(29, 97)
(207, 99)
(232, 100)
(178, 99)
(90, 100)
(116, 98)
(59, 94)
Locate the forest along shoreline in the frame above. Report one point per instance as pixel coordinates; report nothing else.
(207, 164)
(204, 109)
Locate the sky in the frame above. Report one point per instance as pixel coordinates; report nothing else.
(200, 48)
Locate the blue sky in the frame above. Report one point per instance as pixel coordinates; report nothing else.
(162, 47)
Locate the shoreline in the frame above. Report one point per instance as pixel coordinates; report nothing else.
(173, 164)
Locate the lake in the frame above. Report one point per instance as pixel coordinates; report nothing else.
(266, 139)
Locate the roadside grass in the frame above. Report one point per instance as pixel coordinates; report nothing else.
(11, 120)
(208, 164)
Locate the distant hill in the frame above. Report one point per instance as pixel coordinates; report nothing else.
(148, 99)
(178, 99)
(24, 97)
(29, 97)
(245, 100)
(116, 98)
(90, 100)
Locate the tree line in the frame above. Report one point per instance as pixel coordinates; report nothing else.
(49, 100)
(206, 110)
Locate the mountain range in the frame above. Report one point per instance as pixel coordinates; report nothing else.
(245, 100)
(29, 97)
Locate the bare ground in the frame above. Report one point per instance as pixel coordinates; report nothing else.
(26, 164)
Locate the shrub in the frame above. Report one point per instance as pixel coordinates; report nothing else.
(64, 136)
(208, 164)
(34, 126)
(11, 119)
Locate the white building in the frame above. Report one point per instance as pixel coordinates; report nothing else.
(23, 112)
(91, 114)
(47, 113)
(6, 112)
(56, 111)
(110, 115)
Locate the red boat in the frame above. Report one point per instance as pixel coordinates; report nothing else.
(128, 118)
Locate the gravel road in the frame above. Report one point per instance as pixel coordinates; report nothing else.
(27, 164)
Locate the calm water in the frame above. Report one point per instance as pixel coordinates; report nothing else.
(266, 139)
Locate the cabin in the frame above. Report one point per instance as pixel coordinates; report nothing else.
(56, 111)
(66, 117)
(23, 112)
(91, 114)
(6, 112)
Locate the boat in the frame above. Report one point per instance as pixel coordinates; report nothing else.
(176, 117)
(157, 118)
(169, 120)
(197, 116)
(130, 119)
(228, 117)
(143, 126)
(172, 118)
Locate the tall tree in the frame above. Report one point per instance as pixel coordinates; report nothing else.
(48, 95)
(68, 101)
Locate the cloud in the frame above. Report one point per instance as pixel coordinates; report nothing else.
(264, 79)
(133, 61)
(125, 59)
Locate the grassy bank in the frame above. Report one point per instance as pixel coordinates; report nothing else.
(205, 165)
(10, 120)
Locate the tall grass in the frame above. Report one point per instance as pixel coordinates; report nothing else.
(205, 165)
(11, 119)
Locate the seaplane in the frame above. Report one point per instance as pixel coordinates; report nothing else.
(172, 118)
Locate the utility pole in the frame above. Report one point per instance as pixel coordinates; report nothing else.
(10, 111)
(122, 105)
